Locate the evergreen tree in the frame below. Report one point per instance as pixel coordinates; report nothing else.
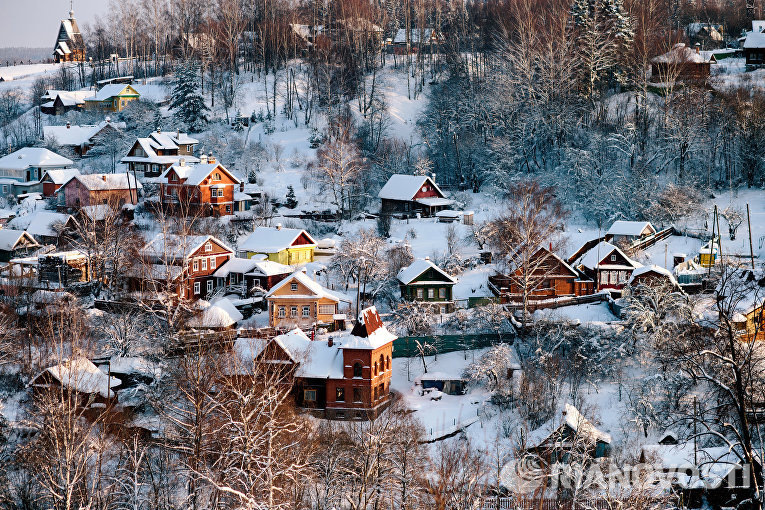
(187, 103)
(238, 121)
(291, 202)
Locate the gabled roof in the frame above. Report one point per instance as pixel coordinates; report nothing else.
(195, 174)
(405, 187)
(40, 223)
(369, 332)
(33, 157)
(106, 182)
(304, 279)
(81, 375)
(408, 274)
(653, 269)
(235, 265)
(77, 135)
(315, 359)
(550, 253)
(573, 419)
(221, 313)
(754, 40)
(273, 239)
(629, 228)
(60, 176)
(175, 247)
(592, 258)
(9, 238)
(111, 90)
(680, 54)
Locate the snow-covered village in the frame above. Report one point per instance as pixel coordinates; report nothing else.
(369, 255)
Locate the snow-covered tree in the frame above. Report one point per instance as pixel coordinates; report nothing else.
(187, 102)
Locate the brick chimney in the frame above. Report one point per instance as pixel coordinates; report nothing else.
(241, 186)
(103, 177)
(203, 159)
(210, 158)
(182, 162)
(278, 226)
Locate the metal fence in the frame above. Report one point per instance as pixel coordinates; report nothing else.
(407, 346)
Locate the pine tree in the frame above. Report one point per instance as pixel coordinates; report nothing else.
(188, 104)
(291, 202)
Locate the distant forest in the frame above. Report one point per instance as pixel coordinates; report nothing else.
(25, 54)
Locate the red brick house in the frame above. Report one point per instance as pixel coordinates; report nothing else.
(607, 265)
(551, 278)
(95, 189)
(207, 188)
(180, 264)
(343, 377)
(408, 195)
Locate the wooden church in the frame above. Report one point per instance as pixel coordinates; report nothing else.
(70, 47)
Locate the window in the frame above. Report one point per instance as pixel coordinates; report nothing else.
(282, 312)
(208, 246)
(293, 311)
(197, 287)
(306, 311)
(431, 293)
(228, 208)
(613, 257)
(357, 369)
(216, 176)
(388, 362)
(293, 287)
(357, 394)
(375, 393)
(375, 368)
(204, 264)
(196, 265)
(382, 363)
(309, 395)
(612, 276)
(326, 309)
(419, 293)
(442, 293)
(213, 262)
(5, 188)
(339, 394)
(209, 286)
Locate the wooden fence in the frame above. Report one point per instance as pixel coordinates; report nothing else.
(543, 504)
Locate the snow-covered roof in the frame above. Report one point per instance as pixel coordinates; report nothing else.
(41, 222)
(304, 279)
(33, 157)
(434, 201)
(369, 332)
(269, 268)
(9, 238)
(133, 365)
(221, 313)
(744, 287)
(105, 182)
(680, 54)
(574, 420)
(77, 135)
(653, 269)
(315, 359)
(629, 228)
(68, 97)
(407, 274)
(96, 212)
(273, 239)
(175, 247)
(713, 463)
(235, 265)
(754, 40)
(107, 91)
(195, 174)
(60, 176)
(591, 259)
(81, 375)
(405, 187)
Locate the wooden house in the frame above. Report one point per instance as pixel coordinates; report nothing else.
(549, 277)
(251, 273)
(298, 301)
(288, 246)
(80, 139)
(682, 63)
(624, 233)
(744, 290)
(608, 266)
(652, 276)
(59, 102)
(46, 227)
(753, 44)
(16, 243)
(206, 188)
(425, 282)
(112, 98)
(154, 154)
(566, 436)
(95, 189)
(182, 265)
(52, 180)
(30, 163)
(70, 46)
(346, 376)
(416, 40)
(409, 195)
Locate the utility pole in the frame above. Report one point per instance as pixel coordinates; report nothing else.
(711, 243)
(749, 224)
(695, 449)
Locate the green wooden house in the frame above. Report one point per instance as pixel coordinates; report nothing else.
(426, 282)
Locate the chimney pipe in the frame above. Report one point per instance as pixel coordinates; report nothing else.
(278, 226)
(241, 186)
(103, 177)
(330, 342)
(68, 125)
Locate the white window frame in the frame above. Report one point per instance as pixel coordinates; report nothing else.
(197, 288)
(213, 262)
(431, 293)
(613, 257)
(195, 265)
(293, 311)
(293, 287)
(326, 309)
(209, 286)
(282, 312)
(306, 311)
(204, 264)
(419, 293)
(208, 246)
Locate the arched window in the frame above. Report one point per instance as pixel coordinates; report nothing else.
(382, 363)
(357, 369)
(375, 372)
(216, 176)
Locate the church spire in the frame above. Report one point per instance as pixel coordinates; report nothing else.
(71, 9)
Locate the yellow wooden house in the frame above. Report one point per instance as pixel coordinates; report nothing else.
(112, 98)
(288, 246)
(299, 302)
